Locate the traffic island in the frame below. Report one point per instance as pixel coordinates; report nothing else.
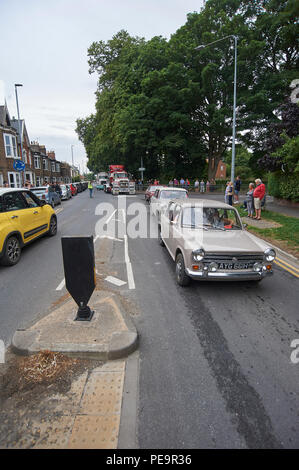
(110, 334)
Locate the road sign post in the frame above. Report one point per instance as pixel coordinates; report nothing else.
(79, 270)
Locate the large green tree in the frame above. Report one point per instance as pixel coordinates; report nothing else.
(172, 105)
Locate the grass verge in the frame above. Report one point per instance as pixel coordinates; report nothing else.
(285, 237)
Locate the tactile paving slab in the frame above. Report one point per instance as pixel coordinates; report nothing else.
(103, 393)
(95, 432)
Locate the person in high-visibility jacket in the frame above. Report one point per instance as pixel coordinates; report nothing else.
(90, 187)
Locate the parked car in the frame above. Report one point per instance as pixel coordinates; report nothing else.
(66, 192)
(208, 242)
(47, 193)
(79, 187)
(23, 218)
(73, 189)
(160, 198)
(150, 192)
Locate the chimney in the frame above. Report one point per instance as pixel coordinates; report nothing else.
(51, 155)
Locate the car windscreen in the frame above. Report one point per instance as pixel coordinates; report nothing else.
(120, 175)
(173, 194)
(211, 218)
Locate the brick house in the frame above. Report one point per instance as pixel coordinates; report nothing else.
(66, 172)
(8, 150)
(27, 157)
(47, 168)
(41, 167)
(221, 170)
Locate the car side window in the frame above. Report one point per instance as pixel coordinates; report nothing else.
(13, 202)
(30, 201)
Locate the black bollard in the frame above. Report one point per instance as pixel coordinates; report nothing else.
(79, 271)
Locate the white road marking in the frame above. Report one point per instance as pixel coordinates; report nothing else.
(111, 238)
(130, 275)
(61, 285)
(114, 280)
(59, 210)
(108, 220)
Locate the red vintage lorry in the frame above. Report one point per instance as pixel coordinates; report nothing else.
(120, 181)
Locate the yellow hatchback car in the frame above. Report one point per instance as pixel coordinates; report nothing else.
(23, 218)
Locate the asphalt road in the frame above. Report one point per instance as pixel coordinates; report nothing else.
(215, 368)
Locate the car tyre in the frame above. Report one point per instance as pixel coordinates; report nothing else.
(53, 226)
(182, 278)
(160, 239)
(12, 252)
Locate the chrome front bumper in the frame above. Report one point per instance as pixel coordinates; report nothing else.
(227, 276)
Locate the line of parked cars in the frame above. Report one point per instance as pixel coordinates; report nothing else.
(27, 214)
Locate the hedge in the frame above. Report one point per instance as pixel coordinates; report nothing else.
(284, 186)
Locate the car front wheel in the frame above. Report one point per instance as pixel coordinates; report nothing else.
(53, 226)
(182, 278)
(160, 239)
(12, 252)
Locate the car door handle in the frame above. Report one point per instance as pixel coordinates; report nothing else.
(35, 212)
(14, 216)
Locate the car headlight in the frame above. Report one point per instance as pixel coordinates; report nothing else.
(270, 254)
(198, 255)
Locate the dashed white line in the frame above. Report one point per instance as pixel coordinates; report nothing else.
(131, 282)
(115, 280)
(61, 285)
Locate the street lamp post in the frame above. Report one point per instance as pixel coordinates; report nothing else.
(20, 130)
(235, 98)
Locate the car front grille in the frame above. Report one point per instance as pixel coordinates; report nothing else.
(233, 257)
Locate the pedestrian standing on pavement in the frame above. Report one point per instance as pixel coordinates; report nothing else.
(258, 196)
(226, 193)
(208, 186)
(237, 187)
(249, 200)
(202, 186)
(196, 185)
(90, 187)
(182, 182)
(230, 193)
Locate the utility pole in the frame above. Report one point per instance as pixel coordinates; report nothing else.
(20, 128)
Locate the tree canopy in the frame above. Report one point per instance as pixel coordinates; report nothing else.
(172, 105)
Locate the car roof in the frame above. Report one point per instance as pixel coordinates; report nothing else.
(10, 190)
(201, 203)
(173, 188)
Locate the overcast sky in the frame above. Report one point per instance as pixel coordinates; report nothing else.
(43, 45)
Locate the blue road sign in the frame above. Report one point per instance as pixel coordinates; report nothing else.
(19, 165)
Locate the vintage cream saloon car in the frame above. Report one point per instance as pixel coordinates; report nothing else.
(208, 241)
